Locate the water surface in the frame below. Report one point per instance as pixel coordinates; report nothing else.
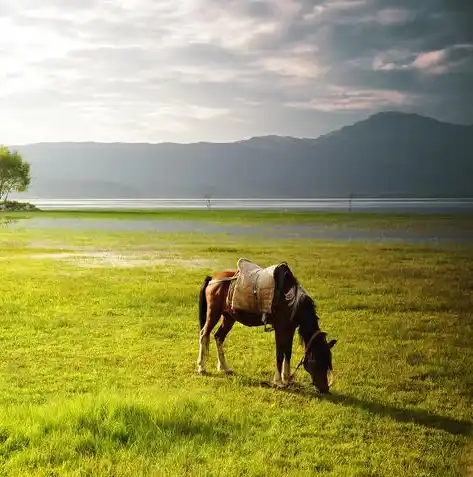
(285, 231)
(445, 205)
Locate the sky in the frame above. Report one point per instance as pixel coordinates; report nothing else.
(226, 70)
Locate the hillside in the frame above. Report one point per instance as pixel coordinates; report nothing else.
(388, 154)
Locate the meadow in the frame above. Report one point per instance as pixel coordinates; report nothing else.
(99, 341)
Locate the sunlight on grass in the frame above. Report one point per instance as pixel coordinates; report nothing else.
(98, 362)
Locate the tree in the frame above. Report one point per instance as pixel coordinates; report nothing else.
(14, 173)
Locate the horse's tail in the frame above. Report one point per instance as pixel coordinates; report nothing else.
(203, 302)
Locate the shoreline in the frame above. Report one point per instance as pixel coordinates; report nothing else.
(337, 204)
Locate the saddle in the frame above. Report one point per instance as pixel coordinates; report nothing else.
(254, 289)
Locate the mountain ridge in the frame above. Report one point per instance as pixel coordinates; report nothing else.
(370, 118)
(386, 154)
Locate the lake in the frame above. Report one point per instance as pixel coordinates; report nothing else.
(284, 231)
(400, 205)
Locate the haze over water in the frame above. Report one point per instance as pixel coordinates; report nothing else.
(335, 204)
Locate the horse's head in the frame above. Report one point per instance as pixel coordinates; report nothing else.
(317, 359)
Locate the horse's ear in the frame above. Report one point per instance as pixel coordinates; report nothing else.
(331, 343)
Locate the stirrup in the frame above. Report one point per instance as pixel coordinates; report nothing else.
(265, 322)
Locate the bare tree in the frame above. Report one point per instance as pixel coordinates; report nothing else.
(208, 201)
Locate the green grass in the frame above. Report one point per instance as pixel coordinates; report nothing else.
(97, 375)
(460, 221)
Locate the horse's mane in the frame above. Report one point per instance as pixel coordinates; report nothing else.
(285, 279)
(291, 275)
(308, 304)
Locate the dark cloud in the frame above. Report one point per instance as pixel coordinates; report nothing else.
(236, 68)
(429, 54)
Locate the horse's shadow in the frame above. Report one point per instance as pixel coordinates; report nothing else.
(419, 417)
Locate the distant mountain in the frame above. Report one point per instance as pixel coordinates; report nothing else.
(388, 154)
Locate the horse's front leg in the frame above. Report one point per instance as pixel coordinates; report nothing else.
(279, 336)
(287, 377)
(220, 335)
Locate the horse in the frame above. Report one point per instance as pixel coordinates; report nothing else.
(292, 308)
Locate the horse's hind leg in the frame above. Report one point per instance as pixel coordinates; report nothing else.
(213, 315)
(220, 335)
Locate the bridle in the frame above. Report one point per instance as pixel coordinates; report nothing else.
(307, 348)
(317, 333)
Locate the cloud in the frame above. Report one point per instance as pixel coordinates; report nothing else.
(346, 99)
(431, 62)
(331, 10)
(436, 62)
(392, 16)
(212, 70)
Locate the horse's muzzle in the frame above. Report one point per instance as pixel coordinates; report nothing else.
(326, 389)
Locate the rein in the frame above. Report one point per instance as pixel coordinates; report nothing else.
(317, 333)
(332, 377)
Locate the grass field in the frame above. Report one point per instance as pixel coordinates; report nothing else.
(98, 334)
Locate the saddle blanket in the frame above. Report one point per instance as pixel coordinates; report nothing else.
(254, 288)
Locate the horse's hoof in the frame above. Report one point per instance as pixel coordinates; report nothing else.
(289, 380)
(227, 372)
(202, 372)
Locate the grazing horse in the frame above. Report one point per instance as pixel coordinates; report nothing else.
(290, 308)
